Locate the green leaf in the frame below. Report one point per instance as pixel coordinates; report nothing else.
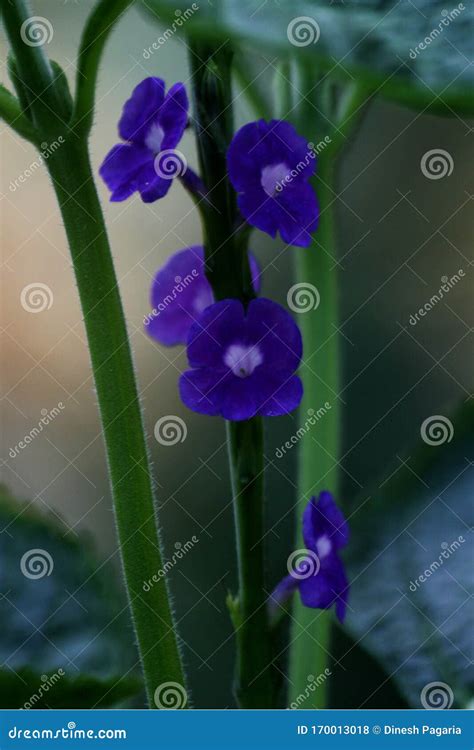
(377, 42)
(60, 609)
(26, 689)
(410, 564)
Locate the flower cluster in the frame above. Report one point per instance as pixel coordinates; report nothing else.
(243, 359)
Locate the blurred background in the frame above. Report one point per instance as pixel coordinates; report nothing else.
(399, 234)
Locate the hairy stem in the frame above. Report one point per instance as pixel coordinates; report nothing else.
(112, 366)
(228, 271)
(121, 418)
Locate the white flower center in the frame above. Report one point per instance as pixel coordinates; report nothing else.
(243, 360)
(154, 138)
(324, 546)
(272, 177)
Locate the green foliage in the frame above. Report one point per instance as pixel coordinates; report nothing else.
(410, 567)
(60, 609)
(378, 43)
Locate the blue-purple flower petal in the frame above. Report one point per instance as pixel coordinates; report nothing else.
(150, 123)
(269, 166)
(249, 358)
(325, 531)
(180, 292)
(141, 110)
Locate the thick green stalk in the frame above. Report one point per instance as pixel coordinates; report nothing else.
(254, 684)
(320, 371)
(119, 406)
(112, 366)
(318, 454)
(227, 269)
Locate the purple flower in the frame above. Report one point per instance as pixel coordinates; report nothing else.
(243, 361)
(318, 571)
(179, 294)
(269, 166)
(152, 125)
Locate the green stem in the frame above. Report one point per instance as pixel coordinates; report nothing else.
(319, 453)
(254, 684)
(98, 27)
(129, 471)
(119, 406)
(227, 268)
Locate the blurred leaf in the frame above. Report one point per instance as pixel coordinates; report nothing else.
(59, 609)
(417, 519)
(377, 41)
(26, 689)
